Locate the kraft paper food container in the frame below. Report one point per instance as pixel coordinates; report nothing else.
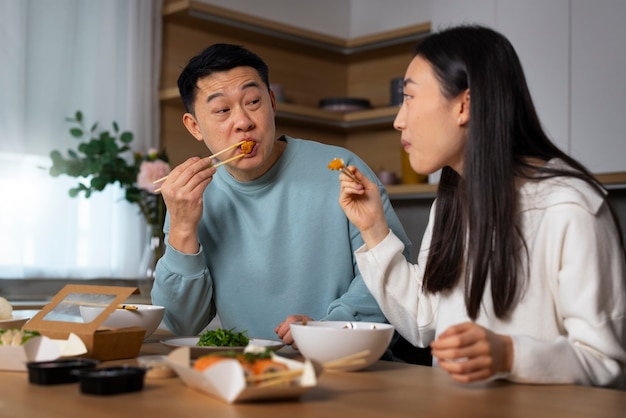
(14, 358)
(226, 379)
(61, 317)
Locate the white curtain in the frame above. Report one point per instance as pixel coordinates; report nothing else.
(98, 56)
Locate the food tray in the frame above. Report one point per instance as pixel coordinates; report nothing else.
(57, 372)
(111, 380)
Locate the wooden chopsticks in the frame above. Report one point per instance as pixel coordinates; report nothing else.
(274, 378)
(286, 376)
(348, 173)
(217, 154)
(351, 360)
(236, 157)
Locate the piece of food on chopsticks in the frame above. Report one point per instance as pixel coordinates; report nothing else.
(338, 164)
(245, 146)
(15, 337)
(223, 338)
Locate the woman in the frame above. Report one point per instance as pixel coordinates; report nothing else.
(521, 272)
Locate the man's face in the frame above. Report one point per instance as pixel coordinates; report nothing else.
(234, 106)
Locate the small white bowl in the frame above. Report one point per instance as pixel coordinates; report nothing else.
(326, 341)
(15, 322)
(146, 316)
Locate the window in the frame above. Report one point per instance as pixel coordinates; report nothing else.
(97, 56)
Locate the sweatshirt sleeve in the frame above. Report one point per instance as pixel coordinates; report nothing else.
(397, 286)
(183, 285)
(358, 303)
(585, 265)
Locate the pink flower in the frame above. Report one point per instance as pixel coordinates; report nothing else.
(149, 171)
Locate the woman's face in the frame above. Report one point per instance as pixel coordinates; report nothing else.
(433, 127)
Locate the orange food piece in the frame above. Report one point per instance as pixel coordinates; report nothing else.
(336, 164)
(250, 367)
(247, 146)
(205, 362)
(262, 366)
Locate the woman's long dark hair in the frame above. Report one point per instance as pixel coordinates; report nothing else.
(476, 234)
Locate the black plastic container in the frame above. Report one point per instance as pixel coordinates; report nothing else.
(111, 380)
(57, 371)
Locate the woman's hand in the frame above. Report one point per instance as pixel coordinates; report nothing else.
(470, 352)
(182, 192)
(283, 330)
(363, 207)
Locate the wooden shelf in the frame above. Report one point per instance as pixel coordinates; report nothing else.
(422, 191)
(370, 118)
(310, 66)
(189, 12)
(612, 180)
(193, 13)
(412, 191)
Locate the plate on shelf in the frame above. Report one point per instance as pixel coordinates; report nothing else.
(200, 351)
(16, 321)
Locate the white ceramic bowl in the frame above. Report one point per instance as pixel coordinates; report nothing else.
(326, 341)
(16, 321)
(146, 316)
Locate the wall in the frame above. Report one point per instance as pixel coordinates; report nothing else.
(573, 53)
(340, 18)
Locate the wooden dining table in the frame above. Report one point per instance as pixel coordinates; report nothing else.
(385, 389)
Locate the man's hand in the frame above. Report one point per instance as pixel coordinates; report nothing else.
(182, 192)
(283, 330)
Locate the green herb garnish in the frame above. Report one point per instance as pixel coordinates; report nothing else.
(223, 338)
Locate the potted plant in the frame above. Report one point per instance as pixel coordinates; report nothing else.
(104, 157)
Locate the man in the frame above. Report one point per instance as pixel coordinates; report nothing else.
(260, 241)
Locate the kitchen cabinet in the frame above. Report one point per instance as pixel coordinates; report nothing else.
(309, 66)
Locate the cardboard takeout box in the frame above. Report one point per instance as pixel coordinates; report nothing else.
(14, 358)
(227, 381)
(62, 316)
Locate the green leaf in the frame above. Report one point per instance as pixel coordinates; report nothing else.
(76, 132)
(98, 183)
(126, 137)
(79, 116)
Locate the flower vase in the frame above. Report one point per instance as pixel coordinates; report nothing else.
(154, 250)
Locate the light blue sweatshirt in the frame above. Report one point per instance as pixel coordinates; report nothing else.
(276, 246)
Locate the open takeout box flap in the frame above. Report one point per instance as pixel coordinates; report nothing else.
(62, 313)
(42, 348)
(226, 379)
(61, 317)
